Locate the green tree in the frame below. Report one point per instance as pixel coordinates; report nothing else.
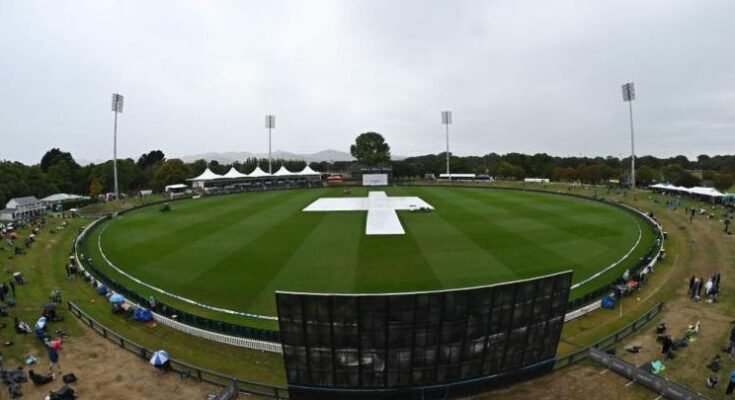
(150, 159)
(517, 172)
(198, 166)
(370, 148)
(724, 182)
(170, 172)
(221, 169)
(673, 172)
(506, 170)
(591, 173)
(646, 175)
(95, 187)
(560, 174)
(687, 179)
(55, 155)
(61, 176)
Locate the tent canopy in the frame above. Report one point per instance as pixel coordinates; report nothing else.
(308, 171)
(283, 171)
(207, 175)
(698, 190)
(233, 174)
(62, 197)
(258, 173)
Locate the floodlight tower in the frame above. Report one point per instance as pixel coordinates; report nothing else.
(629, 96)
(117, 108)
(270, 124)
(446, 121)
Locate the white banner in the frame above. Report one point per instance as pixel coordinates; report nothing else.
(375, 180)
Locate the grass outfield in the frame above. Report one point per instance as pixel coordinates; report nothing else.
(235, 251)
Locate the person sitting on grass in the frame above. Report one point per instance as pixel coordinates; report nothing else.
(715, 365)
(22, 327)
(39, 379)
(667, 347)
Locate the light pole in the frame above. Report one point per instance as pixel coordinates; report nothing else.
(446, 121)
(117, 107)
(270, 124)
(629, 96)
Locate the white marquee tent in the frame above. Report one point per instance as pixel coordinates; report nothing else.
(697, 190)
(206, 176)
(234, 174)
(63, 197)
(258, 173)
(307, 171)
(283, 171)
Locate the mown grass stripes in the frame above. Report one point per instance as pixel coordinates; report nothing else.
(234, 251)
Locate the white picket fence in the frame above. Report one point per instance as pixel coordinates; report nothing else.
(277, 348)
(218, 337)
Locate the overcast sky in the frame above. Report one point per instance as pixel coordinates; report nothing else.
(523, 76)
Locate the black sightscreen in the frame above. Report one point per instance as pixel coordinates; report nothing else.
(420, 339)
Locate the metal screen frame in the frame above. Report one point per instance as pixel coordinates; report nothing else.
(336, 345)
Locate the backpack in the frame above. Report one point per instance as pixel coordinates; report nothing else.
(69, 378)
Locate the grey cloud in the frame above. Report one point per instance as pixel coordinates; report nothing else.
(532, 76)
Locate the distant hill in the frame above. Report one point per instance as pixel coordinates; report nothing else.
(230, 156)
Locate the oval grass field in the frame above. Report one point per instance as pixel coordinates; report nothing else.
(234, 251)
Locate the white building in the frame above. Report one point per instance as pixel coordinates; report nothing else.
(20, 208)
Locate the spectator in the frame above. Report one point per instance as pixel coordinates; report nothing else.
(708, 288)
(731, 384)
(666, 347)
(695, 289)
(53, 356)
(691, 284)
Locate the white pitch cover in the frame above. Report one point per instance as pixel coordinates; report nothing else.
(382, 218)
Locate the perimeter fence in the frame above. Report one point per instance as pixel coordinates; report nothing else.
(648, 260)
(163, 308)
(610, 340)
(281, 391)
(582, 304)
(185, 369)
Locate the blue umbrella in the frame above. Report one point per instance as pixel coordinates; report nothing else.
(117, 298)
(159, 358)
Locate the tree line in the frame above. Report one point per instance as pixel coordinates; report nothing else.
(717, 171)
(58, 172)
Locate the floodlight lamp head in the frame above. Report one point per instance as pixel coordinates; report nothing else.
(446, 117)
(628, 91)
(270, 122)
(117, 103)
